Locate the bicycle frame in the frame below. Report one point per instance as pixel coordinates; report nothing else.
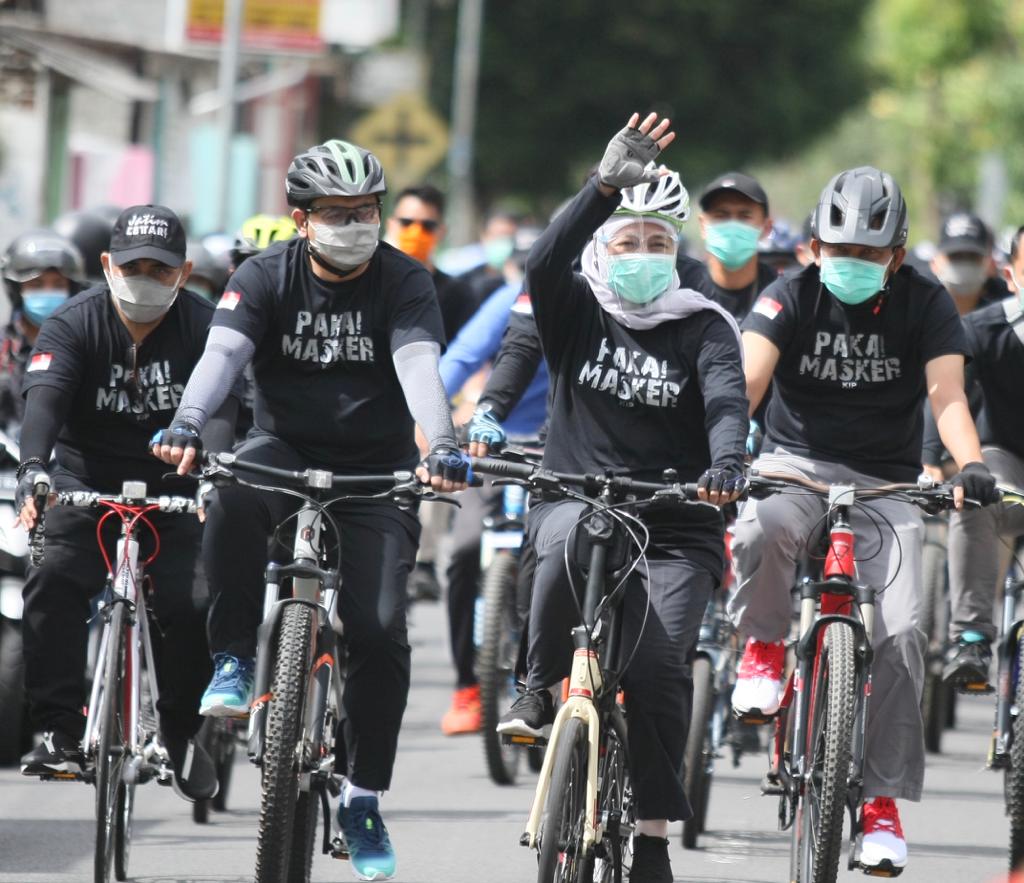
(837, 590)
(124, 584)
(586, 682)
(1010, 634)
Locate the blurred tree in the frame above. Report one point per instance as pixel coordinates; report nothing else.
(742, 80)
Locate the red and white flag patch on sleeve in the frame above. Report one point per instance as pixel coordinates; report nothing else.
(768, 307)
(229, 300)
(40, 362)
(523, 305)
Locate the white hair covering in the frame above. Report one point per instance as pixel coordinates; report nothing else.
(674, 303)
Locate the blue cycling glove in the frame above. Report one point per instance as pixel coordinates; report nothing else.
(484, 428)
(754, 439)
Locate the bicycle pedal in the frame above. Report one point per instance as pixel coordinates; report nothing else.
(753, 718)
(981, 688)
(523, 741)
(61, 777)
(339, 849)
(771, 785)
(885, 869)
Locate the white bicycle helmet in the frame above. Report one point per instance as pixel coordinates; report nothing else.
(666, 197)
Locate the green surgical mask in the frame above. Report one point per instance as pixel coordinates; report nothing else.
(497, 251)
(732, 242)
(852, 280)
(640, 278)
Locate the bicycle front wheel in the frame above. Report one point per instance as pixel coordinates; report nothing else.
(280, 774)
(1014, 782)
(110, 744)
(495, 664)
(819, 822)
(698, 749)
(561, 836)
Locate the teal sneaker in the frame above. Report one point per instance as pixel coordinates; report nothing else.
(230, 691)
(369, 847)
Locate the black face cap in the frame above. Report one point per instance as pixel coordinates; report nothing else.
(735, 182)
(148, 231)
(964, 232)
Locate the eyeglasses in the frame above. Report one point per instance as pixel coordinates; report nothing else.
(428, 225)
(136, 397)
(339, 216)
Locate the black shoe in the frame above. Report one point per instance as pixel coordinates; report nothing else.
(650, 860)
(968, 664)
(58, 755)
(423, 584)
(195, 776)
(532, 714)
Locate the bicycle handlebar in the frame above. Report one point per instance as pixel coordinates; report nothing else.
(545, 479)
(92, 500)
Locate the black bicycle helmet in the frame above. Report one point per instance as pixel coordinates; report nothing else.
(34, 252)
(861, 206)
(90, 233)
(335, 168)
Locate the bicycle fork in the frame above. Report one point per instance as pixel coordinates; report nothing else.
(585, 683)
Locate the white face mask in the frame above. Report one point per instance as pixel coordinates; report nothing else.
(963, 278)
(345, 247)
(141, 298)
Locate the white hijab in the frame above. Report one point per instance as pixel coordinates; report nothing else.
(675, 303)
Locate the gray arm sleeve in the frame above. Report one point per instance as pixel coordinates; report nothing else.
(227, 353)
(416, 366)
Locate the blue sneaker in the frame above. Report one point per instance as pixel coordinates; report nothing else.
(369, 847)
(230, 691)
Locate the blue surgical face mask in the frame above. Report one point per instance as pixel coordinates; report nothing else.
(38, 304)
(640, 278)
(732, 242)
(852, 280)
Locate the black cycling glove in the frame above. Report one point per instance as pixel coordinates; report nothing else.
(725, 481)
(978, 483)
(178, 435)
(27, 473)
(448, 463)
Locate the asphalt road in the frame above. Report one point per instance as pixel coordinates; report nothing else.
(449, 823)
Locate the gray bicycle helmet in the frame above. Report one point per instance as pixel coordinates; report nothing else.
(861, 206)
(335, 168)
(35, 251)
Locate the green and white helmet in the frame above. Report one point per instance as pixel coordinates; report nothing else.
(336, 168)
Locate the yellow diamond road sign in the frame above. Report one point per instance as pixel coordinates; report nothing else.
(408, 138)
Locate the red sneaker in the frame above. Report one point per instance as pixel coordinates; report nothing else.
(759, 678)
(464, 715)
(884, 847)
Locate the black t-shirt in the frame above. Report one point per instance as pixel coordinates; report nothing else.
(993, 291)
(457, 302)
(84, 348)
(996, 369)
(634, 401)
(850, 381)
(324, 375)
(14, 350)
(740, 301)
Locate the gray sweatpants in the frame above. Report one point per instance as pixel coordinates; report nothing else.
(770, 538)
(977, 554)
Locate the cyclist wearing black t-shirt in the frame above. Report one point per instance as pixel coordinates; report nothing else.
(645, 375)
(344, 335)
(108, 369)
(851, 345)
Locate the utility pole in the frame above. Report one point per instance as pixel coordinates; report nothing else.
(227, 82)
(464, 95)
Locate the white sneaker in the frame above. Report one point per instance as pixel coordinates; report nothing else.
(759, 678)
(883, 846)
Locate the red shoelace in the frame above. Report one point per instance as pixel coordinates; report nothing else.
(762, 660)
(881, 814)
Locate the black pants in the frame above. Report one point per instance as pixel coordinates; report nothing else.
(378, 549)
(464, 575)
(57, 611)
(658, 682)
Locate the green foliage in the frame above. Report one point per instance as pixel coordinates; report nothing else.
(742, 80)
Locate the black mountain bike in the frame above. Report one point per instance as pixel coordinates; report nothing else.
(298, 680)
